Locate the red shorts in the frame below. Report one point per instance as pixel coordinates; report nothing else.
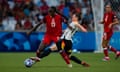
(107, 35)
(50, 38)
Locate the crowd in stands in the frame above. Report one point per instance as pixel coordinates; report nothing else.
(20, 15)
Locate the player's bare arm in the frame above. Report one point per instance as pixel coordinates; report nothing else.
(81, 27)
(115, 21)
(101, 22)
(33, 29)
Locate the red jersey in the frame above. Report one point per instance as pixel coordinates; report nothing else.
(108, 18)
(53, 25)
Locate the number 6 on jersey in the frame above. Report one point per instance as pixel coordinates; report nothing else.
(53, 23)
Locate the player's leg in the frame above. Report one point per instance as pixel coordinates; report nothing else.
(115, 51)
(105, 42)
(61, 45)
(47, 51)
(112, 48)
(105, 50)
(39, 52)
(78, 61)
(45, 42)
(68, 50)
(41, 48)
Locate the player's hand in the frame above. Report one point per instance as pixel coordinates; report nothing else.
(110, 25)
(101, 22)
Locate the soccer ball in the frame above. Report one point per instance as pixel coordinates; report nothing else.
(29, 62)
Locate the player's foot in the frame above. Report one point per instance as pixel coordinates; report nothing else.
(36, 59)
(33, 62)
(70, 65)
(117, 55)
(106, 59)
(85, 64)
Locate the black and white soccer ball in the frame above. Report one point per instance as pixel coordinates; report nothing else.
(28, 62)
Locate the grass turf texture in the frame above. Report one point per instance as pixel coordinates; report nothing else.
(14, 62)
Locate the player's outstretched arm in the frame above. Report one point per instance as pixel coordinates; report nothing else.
(33, 29)
(81, 27)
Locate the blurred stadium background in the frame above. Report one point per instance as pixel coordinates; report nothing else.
(19, 16)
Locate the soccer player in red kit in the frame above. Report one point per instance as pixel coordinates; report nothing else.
(109, 21)
(53, 23)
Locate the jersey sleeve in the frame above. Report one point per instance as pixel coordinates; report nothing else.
(114, 16)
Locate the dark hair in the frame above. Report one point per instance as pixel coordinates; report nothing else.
(52, 9)
(78, 15)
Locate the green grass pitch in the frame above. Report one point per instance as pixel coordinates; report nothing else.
(14, 62)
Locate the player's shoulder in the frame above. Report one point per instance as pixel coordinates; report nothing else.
(72, 24)
(112, 13)
(47, 16)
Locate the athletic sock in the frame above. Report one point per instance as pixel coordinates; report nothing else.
(112, 49)
(75, 59)
(105, 52)
(45, 53)
(65, 56)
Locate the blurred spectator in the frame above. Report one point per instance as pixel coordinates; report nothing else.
(89, 19)
(1, 12)
(66, 11)
(27, 24)
(34, 12)
(19, 1)
(61, 6)
(44, 8)
(18, 26)
(38, 3)
(1, 25)
(9, 23)
(77, 7)
(11, 4)
(52, 2)
(27, 13)
(27, 10)
(4, 3)
(18, 11)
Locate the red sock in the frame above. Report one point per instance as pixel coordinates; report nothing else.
(112, 49)
(65, 57)
(106, 52)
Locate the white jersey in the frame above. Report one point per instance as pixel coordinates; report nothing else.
(68, 34)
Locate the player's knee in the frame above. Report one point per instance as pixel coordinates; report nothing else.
(40, 49)
(53, 49)
(71, 57)
(103, 45)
